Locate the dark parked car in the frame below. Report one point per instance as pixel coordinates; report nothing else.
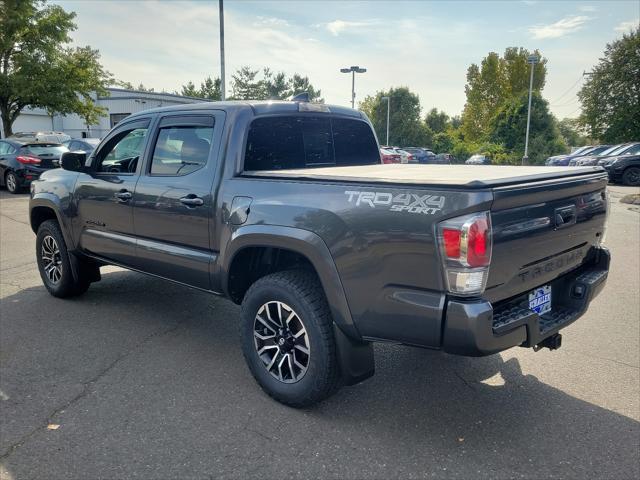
(563, 161)
(478, 159)
(86, 145)
(22, 161)
(613, 151)
(624, 169)
(285, 209)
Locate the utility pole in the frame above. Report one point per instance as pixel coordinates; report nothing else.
(353, 70)
(532, 59)
(222, 83)
(388, 99)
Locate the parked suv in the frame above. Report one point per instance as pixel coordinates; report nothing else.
(285, 209)
(22, 161)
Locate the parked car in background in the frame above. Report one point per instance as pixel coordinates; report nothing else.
(624, 169)
(553, 161)
(22, 161)
(564, 161)
(45, 136)
(445, 158)
(421, 155)
(389, 155)
(86, 145)
(405, 157)
(478, 159)
(629, 150)
(615, 151)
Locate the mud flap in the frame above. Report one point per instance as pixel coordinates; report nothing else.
(356, 358)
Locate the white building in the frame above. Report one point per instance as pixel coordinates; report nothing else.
(119, 104)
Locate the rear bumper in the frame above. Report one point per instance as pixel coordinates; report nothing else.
(478, 328)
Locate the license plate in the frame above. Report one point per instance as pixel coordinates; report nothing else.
(540, 299)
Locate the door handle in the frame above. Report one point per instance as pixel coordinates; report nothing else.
(123, 196)
(192, 201)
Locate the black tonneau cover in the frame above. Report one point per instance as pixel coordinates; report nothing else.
(468, 176)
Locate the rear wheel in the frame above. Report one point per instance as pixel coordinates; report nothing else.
(631, 176)
(287, 338)
(54, 264)
(12, 182)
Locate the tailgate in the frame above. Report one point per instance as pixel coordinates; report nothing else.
(542, 230)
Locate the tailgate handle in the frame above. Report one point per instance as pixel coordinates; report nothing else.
(565, 216)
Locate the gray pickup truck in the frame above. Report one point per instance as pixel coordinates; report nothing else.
(286, 209)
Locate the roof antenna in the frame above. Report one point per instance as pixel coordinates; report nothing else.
(301, 97)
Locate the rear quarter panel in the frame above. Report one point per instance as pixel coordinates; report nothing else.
(386, 256)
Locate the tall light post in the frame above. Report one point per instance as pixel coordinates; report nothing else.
(388, 99)
(532, 60)
(222, 84)
(353, 70)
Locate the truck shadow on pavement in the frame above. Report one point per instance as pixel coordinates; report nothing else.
(146, 378)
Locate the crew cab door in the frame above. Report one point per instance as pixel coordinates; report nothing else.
(104, 222)
(173, 205)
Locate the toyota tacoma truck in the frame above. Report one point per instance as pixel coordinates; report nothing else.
(285, 208)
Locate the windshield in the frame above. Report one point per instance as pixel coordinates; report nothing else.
(613, 150)
(91, 141)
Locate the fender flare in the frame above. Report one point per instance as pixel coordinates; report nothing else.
(52, 202)
(356, 356)
(305, 243)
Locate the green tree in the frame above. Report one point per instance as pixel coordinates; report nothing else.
(406, 127)
(38, 68)
(246, 86)
(509, 127)
(300, 84)
(130, 86)
(276, 86)
(210, 89)
(610, 97)
(496, 81)
(571, 132)
(437, 121)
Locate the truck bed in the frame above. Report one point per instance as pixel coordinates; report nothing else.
(468, 176)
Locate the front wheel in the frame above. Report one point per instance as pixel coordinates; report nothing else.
(287, 338)
(631, 176)
(54, 264)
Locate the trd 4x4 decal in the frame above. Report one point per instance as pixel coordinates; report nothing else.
(403, 202)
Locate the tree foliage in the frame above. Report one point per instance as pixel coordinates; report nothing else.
(406, 127)
(496, 81)
(210, 89)
(437, 121)
(572, 132)
(39, 69)
(509, 124)
(610, 97)
(250, 84)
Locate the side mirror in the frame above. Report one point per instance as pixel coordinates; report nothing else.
(73, 161)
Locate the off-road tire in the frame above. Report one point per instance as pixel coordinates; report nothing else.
(66, 286)
(302, 291)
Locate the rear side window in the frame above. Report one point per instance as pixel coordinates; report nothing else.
(181, 150)
(286, 142)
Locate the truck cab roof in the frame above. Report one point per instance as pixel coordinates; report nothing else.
(259, 107)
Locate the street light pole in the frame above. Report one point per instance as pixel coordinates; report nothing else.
(222, 83)
(353, 70)
(388, 99)
(532, 59)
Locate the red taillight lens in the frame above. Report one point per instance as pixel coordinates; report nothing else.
(451, 238)
(27, 160)
(465, 249)
(477, 243)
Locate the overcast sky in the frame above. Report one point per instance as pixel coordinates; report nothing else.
(424, 45)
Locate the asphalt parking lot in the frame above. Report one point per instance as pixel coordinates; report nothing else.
(146, 380)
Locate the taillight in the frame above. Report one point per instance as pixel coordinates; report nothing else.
(465, 247)
(28, 160)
